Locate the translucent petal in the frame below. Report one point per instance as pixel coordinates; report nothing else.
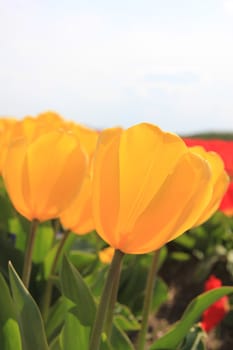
(16, 178)
(78, 216)
(105, 194)
(173, 209)
(147, 156)
(56, 165)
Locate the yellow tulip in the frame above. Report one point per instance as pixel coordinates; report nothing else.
(50, 117)
(32, 127)
(87, 137)
(43, 175)
(147, 188)
(78, 216)
(220, 182)
(106, 255)
(6, 127)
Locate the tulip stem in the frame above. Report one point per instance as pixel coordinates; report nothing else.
(49, 284)
(27, 266)
(111, 305)
(114, 272)
(151, 278)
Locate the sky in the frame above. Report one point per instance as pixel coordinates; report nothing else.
(117, 63)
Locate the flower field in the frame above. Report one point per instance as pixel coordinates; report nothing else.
(119, 239)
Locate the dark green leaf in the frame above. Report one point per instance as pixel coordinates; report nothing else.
(180, 256)
(160, 294)
(43, 242)
(56, 344)
(57, 316)
(119, 339)
(74, 335)
(30, 321)
(82, 260)
(194, 340)
(75, 289)
(124, 318)
(9, 329)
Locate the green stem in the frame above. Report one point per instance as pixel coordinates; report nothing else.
(97, 329)
(151, 278)
(49, 285)
(27, 267)
(197, 341)
(111, 305)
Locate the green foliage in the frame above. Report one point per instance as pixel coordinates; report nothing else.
(74, 334)
(176, 335)
(9, 330)
(120, 340)
(56, 317)
(210, 244)
(194, 340)
(133, 281)
(28, 315)
(78, 281)
(74, 288)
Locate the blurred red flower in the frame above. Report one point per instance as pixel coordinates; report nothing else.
(217, 311)
(225, 150)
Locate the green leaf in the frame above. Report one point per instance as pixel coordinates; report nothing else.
(82, 260)
(56, 344)
(9, 330)
(173, 338)
(8, 252)
(194, 339)
(30, 321)
(75, 289)
(97, 279)
(74, 335)
(6, 208)
(20, 227)
(119, 339)
(43, 242)
(186, 241)
(48, 260)
(180, 256)
(133, 279)
(124, 319)
(57, 317)
(160, 294)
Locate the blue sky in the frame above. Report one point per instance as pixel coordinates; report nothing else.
(106, 63)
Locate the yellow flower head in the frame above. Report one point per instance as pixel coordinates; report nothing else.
(219, 181)
(147, 188)
(32, 127)
(43, 175)
(6, 127)
(78, 216)
(106, 255)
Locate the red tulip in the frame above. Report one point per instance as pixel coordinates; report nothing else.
(217, 311)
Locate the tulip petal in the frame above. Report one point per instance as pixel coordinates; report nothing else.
(174, 208)
(78, 216)
(105, 194)
(53, 152)
(74, 171)
(16, 177)
(147, 156)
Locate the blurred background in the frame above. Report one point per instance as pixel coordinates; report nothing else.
(105, 63)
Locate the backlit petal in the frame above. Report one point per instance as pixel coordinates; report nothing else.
(105, 194)
(147, 156)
